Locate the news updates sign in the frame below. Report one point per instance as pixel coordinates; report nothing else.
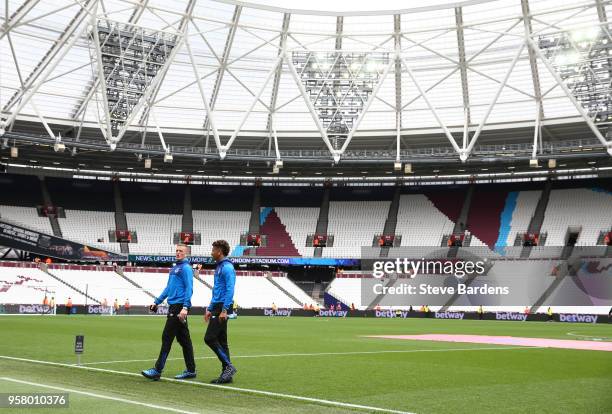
(252, 260)
(22, 238)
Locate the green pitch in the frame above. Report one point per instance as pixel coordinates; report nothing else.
(316, 358)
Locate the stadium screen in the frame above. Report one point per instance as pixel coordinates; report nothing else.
(319, 240)
(187, 237)
(254, 240)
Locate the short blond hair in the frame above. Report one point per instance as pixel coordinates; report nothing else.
(187, 248)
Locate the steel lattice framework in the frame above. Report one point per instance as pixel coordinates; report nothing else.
(339, 84)
(583, 61)
(222, 71)
(130, 58)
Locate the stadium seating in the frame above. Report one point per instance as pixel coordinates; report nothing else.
(353, 225)
(425, 215)
(293, 289)
(522, 211)
(215, 225)
(420, 223)
(155, 232)
(278, 240)
(347, 290)
(299, 222)
(26, 216)
(252, 289)
(257, 292)
(346, 287)
(27, 285)
(32, 289)
(154, 281)
(588, 209)
(485, 214)
(89, 226)
(102, 285)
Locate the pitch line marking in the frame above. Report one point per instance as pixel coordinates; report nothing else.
(592, 337)
(222, 387)
(104, 397)
(400, 351)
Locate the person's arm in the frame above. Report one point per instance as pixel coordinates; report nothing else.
(209, 308)
(163, 295)
(188, 279)
(230, 280)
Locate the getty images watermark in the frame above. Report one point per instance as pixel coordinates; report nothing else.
(473, 277)
(398, 268)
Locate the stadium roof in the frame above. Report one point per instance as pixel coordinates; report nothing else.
(482, 80)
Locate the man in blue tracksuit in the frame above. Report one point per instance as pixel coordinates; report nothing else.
(217, 311)
(178, 292)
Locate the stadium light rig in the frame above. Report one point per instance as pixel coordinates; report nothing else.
(582, 59)
(128, 58)
(339, 84)
(59, 146)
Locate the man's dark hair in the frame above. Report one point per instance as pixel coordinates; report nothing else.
(223, 245)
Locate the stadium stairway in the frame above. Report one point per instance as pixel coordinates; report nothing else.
(119, 271)
(43, 267)
(282, 289)
(120, 218)
(566, 268)
(380, 297)
(55, 226)
(255, 221)
(451, 301)
(187, 220)
(391, 222)
(323, 220)
(535, 225)
(462, 220)
(279, 242)
(316, 291)
(306, 286)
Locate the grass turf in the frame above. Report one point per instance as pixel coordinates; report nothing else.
(424, 377)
